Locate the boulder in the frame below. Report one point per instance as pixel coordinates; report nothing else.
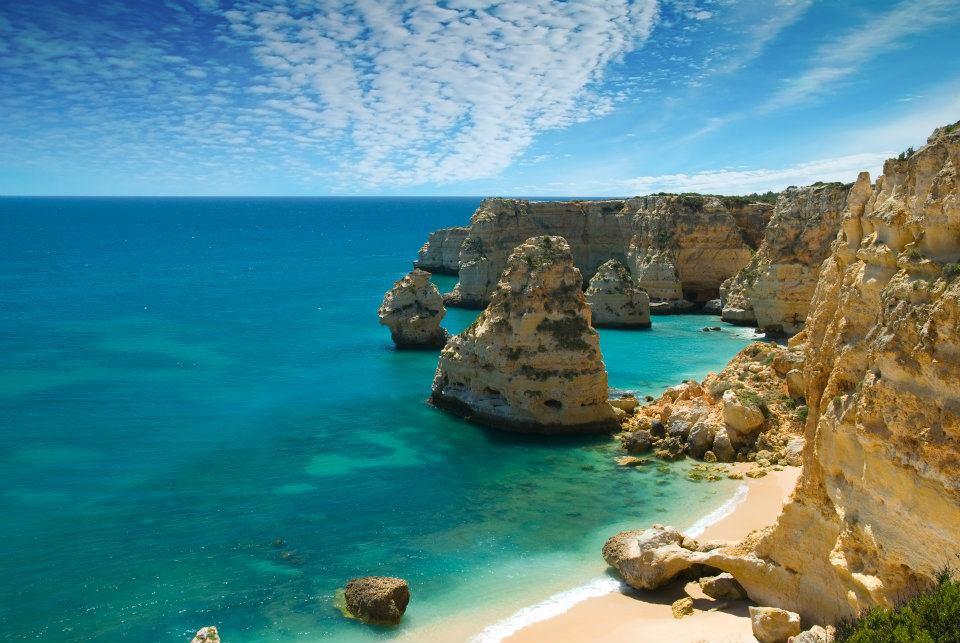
(657, 429)
(722, 447)
(741, 418)
(815, 634)
(700, 440)
(615, 299)
(670, 448)
(648, 558)
(773, 625)
(413, 310)
(626, 402)
(531, 361)
(380, 600)
(682, 607)
(713, 307)
(638, 441)
(722, 588)
(793, 452)
(207, 634)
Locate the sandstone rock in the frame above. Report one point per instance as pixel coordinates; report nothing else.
(441, 254)
(775, 288)
(680, 243)
(722, 447)
(722, 588)
(615, 299)
(207, 634)
(626, 402)
(648, 558)
(794, 380)
(710, 456)
(413, 310)
(377, 599)
(772, 625)
(531, 361)
(713, 307)
(638, 441)
(815, 634)
(682, 607)
(701, 439)
(631, 461)
(670, 448)
(793, 452)
(740, 417)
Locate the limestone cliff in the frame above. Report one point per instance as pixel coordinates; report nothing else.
(531, 361)
(615, 299)
(775, 288)
(693, 243)
(877, 510)
(441, 253)
(413, 310)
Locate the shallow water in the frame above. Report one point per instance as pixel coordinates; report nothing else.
(183, 382)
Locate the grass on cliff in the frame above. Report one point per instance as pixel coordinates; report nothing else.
(930, 617)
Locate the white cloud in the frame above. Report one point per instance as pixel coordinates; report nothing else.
(415, 92)
(744, 181)
(842, 58)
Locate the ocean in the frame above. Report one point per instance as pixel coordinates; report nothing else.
(203, 423)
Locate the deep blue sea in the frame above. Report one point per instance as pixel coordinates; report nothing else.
(201, 422)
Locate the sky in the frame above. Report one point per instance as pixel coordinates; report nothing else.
(465, 97)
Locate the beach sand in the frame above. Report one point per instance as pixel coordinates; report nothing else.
(646, 616)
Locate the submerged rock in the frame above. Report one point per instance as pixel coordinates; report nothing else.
(381, 600)
(615, 299)
(207, 634)
(413, 310)
(531, 361)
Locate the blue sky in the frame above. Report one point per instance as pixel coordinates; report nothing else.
(606, 97)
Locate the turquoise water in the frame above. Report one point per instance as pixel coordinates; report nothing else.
(183, 382)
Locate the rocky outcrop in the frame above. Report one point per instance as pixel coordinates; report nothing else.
(413, 310)
(531, 361)
(615, 299)
(742, 413)
(876, 512)
(380, 600)
(678, 245)
(207, 634)
(441, 254)
(772, 625)
(773, 291)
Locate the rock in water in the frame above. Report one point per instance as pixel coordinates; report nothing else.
(772, 625)
(531, 361)
(413, 309)
(377, 599)
(207, 634)
(615, 299)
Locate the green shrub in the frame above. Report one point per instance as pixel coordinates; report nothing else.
(951, 271)
(929, 617)
(914, 254)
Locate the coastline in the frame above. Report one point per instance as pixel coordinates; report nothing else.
(605, 610)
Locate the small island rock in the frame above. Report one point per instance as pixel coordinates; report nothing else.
(616, 300)
(413, 310)
(207, 634)
(380, 600)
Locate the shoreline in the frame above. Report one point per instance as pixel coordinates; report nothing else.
(605, 609)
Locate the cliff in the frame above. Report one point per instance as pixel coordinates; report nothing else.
(774, 289)
(698, 239)
(877, 510)
(615, 299)
(413, 310)
(531, 361)
(441, 253)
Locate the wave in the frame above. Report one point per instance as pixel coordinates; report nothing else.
(562, 601)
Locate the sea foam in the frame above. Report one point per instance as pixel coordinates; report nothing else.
(562, 601)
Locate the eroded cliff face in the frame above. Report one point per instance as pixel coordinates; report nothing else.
(615, 299)
(531, 361)
(877, 510)
(413, 310)
(676, 244)
(774, 289)
(441, 253)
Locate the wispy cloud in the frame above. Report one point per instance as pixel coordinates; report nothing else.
(743, 181)
(410, 92)
(843, 57)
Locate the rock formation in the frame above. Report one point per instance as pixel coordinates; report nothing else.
(772, 625)
(774, 289)
(876, 512)
(685, 246)
(413, 310)
(745, 412)
(441, 254)
(531, 361)
(615, 300)
(379, 600)
(207, 634)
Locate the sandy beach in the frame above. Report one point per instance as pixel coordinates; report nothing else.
(617, 617)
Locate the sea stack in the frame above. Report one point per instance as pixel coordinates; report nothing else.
(615, 299)
(531, 361)
(413, 309)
